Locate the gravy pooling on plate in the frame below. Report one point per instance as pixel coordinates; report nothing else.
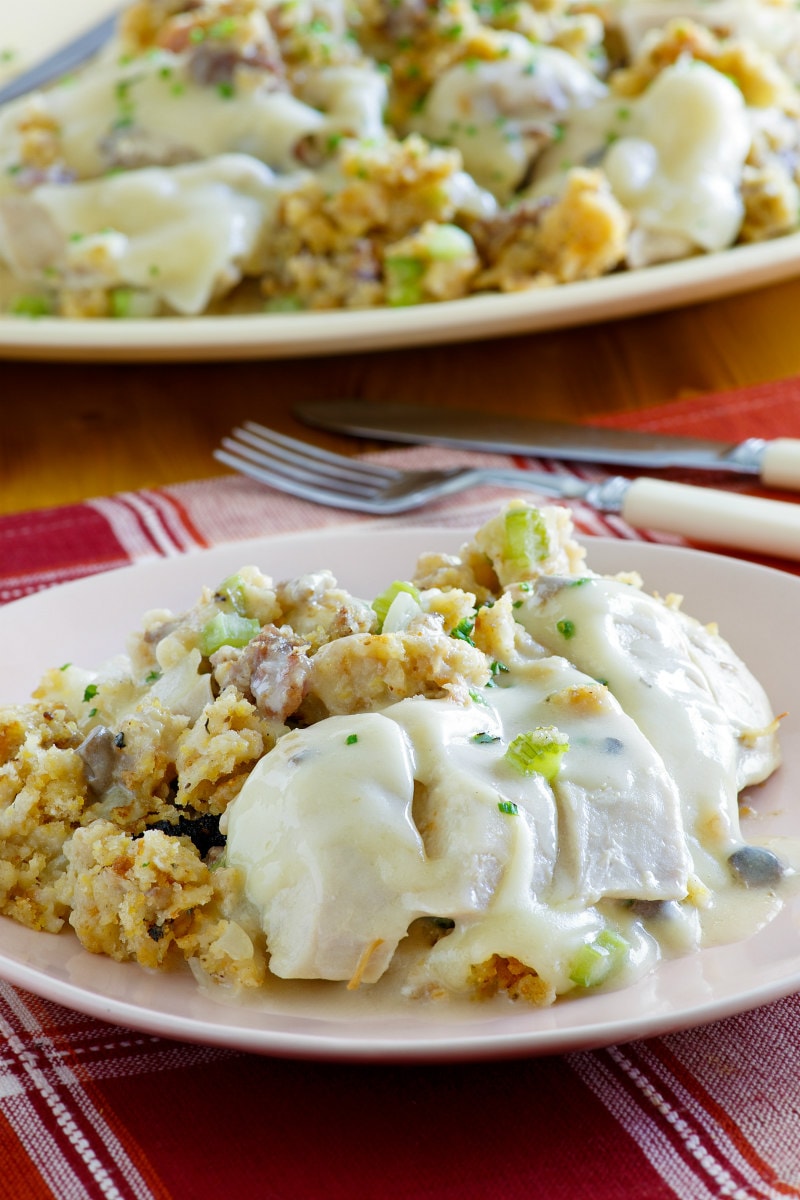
(505, 774)
(290, 155)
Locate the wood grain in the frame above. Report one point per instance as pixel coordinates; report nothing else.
(70, 431)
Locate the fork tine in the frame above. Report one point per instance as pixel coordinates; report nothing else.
(332, 479)
(306, 491)
(287, 466)
(308, 466)
(251, 429)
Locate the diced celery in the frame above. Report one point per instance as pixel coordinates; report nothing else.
(32, 306)
(283, 304)
(227, 629)
(381, 604)
(538, 752)
(121, 299)
(598, 959)
(446, 243)
(526, 539)
(404, 281)
(133, 302)
(232, 590)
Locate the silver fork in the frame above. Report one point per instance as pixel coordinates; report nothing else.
(704, 514)
(340, 482)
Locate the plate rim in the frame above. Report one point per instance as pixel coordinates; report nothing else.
(483, 316)
(431, 1043)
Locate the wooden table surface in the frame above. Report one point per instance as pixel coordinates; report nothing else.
(70, 431)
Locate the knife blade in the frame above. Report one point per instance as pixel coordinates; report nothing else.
(776, 462)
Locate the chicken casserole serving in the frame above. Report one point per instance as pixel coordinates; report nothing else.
(505, 774)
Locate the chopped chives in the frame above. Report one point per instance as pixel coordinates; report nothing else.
(463, 630)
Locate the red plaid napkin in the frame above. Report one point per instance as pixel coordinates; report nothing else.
(92, 1110)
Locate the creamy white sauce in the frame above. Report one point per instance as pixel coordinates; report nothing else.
(350, 830)
(651, 658)
(679, 169)
(501, 114)
(155, 100)
(182, 234)
(673, 156)
(774, 28)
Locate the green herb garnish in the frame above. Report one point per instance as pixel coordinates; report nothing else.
(463, 630)
(508, 807)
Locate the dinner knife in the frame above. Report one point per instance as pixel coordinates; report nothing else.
(775, 462)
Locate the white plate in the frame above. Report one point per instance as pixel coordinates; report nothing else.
(33, 28)
(87, 621)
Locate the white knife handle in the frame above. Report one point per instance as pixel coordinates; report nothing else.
(720, 518)
(779, 464)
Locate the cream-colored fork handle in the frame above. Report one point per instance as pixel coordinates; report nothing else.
(717, 517)
(780, 463)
